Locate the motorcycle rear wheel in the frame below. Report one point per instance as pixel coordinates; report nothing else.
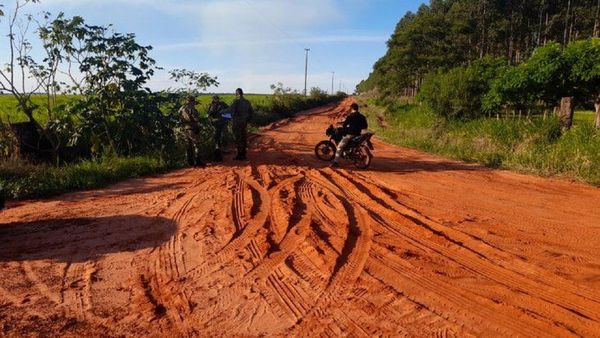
(325, 151)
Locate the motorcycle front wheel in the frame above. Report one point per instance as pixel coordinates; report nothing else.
(362, 157)
(325, 151)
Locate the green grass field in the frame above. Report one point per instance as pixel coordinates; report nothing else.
(10, 113)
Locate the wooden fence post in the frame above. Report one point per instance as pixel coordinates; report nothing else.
(597, 105)
(567, 109)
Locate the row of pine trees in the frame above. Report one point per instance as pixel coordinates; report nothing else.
(451, 33)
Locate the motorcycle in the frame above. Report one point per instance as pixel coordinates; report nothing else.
(358, 150)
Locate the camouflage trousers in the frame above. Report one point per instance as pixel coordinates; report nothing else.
(341, 147)
(193, 147)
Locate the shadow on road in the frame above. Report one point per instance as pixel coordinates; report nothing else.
(127, 188)
(81, 239)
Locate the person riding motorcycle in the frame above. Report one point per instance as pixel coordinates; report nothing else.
(353, 126)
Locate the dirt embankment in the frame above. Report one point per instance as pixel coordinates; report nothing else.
(416, 246)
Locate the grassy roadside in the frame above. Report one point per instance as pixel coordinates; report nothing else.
(22, 181)
(537, 146)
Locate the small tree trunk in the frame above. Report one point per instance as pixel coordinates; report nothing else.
(567, 109)
(597, 105)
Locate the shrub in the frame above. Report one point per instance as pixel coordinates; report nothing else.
(318, 94)
(457, 93)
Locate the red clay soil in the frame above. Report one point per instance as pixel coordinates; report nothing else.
(415, 246)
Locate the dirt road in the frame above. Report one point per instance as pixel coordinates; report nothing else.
(416, 246)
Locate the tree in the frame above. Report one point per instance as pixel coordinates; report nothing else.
(21, 66)
(583, 58)
(458, 93)
(318, 93)
(13, 76)
(193, 82)
(547, 73)
(452, 33)
(115, 111)
(279, 89)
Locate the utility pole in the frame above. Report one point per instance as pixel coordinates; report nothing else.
(306, 71)
(332, 79)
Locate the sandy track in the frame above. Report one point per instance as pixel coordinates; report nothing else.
(416, 246)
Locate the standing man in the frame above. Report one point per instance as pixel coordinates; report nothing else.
(353, 126)
(190, 118)
(218, 122)
(241, 113)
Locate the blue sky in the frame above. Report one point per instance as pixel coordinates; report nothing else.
(250, 43)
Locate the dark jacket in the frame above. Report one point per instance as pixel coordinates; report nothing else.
(355, 123)
(241, 111)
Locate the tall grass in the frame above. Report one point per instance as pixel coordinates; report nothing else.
(534, 146)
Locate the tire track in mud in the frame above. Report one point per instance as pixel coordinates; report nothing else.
(76, 290)
(348, 267)
(38, 283)
(159, 288)
(477, 245)
(382, 311)
(290, 291)
(237, 208)
(480, 248)
(581, 312)
(448, 302)
(266, 278)
(262, 275)
(240, 239)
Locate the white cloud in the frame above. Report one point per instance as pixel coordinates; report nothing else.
(229, 24)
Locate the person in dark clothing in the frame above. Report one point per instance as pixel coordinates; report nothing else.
(191, 121)
(218, 122)
(241, 113)
(353, 126)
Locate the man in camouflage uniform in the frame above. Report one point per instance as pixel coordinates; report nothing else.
(190, 118)
(241, 113)
(218, 122)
